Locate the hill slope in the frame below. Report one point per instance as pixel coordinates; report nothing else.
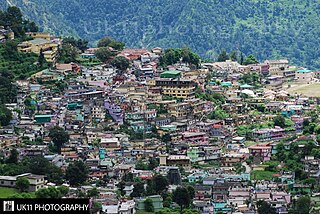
(273, 28)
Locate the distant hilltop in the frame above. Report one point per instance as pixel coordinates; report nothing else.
(267, 29)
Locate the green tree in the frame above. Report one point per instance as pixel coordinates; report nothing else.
(303, 205)
(119, 46)
(191, 192)
(140, 165)
(104, 42)
(5, 116)
(172, 56)
(281, 152)
(182, 198)
(280, 121)
(96, 207)
(251, 59)
(22, 184)
(233, 56)
(59, 137)
(93, 192)
(51, 192)
(218, 114)
(22, 195)
(77, 173)
(153, 163)
(138, 190)
(68, 53)
(121, 63)
(148, 205)
(128, 177)
(14, 155)
(81, 44)
(265, 208)
(241, 60)
(160, 183)
(14, 20)
(10, 48)
(223, 56)
(30, 26)
(104, 54)
(41, 59)
(167, 201)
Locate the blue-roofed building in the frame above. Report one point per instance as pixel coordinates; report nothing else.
(304, 76)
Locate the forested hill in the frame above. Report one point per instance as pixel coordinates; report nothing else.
(265, 28)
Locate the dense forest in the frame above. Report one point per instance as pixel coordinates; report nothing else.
(267, 29)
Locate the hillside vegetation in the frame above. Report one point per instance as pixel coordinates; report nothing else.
(267, 29)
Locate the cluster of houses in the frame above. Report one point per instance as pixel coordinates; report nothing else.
(167, 120)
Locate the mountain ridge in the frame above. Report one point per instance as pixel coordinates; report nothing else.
(267, 29)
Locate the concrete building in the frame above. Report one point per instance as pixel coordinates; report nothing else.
(179, 88)
(36, 181)
(48, 48)
(304, 76)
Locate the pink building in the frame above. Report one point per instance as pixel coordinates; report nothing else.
(261, 150)
(195, 138)
(278, 196)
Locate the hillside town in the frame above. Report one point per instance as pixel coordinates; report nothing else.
(160, 131)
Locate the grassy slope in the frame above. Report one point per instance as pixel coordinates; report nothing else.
(21, 68)
(7, 192)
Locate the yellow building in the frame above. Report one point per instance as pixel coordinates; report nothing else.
(48, 48)
(39, 35)
(179, 88)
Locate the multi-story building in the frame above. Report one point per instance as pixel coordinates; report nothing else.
(98, 113)
(179, 88)
(175, 160)
(41, 43)
(268, 134)
(195, 138)
(36, 181)
(261, 151)
(274, 83)
(213, 128)
(304, 76)
(276, 65)
(230, 159)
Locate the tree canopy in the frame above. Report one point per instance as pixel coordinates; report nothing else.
(5, 116)
(182, 197)
(265, 208)
(59, 137)
(77, 173)
(104, 54)
(251, 59)
(121, 63)
(22, 184)
(172, 56)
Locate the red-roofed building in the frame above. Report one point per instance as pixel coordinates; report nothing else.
(67, 68)
(133, 54)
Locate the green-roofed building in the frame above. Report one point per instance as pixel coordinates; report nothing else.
(246, 86)
(168, 128)
(212, 83)
(304, 71)
(226, 84)
(170, 74)
(74, 106)
(43, 118)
